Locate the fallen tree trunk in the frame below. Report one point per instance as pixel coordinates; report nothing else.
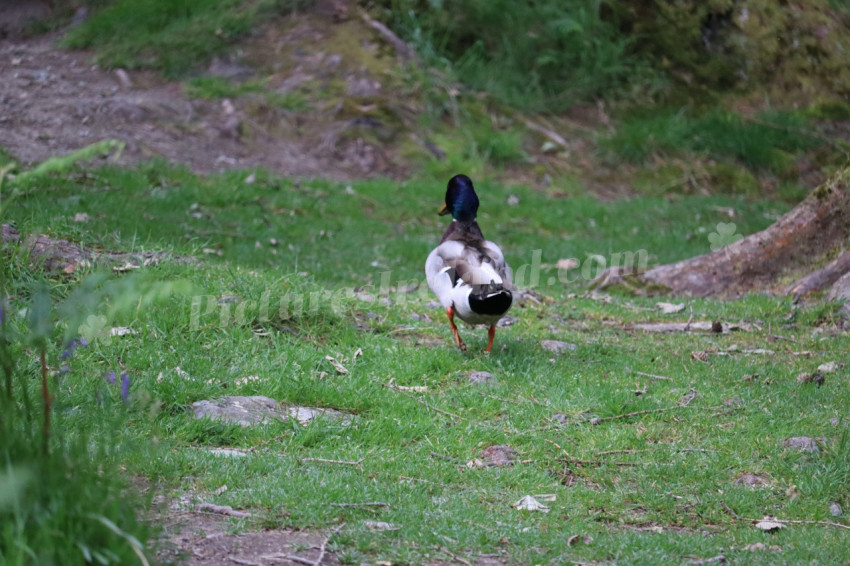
(791, 249)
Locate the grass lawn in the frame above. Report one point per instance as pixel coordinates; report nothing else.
(655, 487)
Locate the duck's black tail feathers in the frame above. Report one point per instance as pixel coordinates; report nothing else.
(491, 302)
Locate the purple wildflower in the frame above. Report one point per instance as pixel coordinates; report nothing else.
(109, 377)
(72, 345)
(125, 386)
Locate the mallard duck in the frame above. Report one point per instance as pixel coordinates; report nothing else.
(466, 272)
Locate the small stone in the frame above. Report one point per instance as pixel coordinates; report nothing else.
(835, 509)
(760, 546)
(829, 367)
(256, 410)
(482, 378)
(752, 480)
(557, 346)
(499, 455)
(670, 308)
(816, 378)
(227, 452)
(835, 421)
(124, 78)
(380, 526)
(802, 443)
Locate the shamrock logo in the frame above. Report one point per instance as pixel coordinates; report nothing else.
(727, 233)
(94, 328)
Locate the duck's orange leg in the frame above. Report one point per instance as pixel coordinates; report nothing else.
(491, 332)
(450, 312)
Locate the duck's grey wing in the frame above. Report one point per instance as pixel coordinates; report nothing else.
(497, 259)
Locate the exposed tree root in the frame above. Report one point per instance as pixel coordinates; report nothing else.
(791, 248)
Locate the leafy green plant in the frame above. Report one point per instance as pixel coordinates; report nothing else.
(541, 56)
(62, 500)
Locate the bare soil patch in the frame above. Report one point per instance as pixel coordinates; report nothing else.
(54, 101)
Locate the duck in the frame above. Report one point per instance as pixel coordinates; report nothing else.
(468, 274)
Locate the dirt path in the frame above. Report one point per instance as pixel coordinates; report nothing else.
(54, 101)
(205, 539)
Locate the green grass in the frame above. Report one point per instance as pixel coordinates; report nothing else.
(766, 143)
(171, 36)
(220, 87)
(318, 226)
(663, 502)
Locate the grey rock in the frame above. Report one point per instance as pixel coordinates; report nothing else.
(802, 443)
(557, 346)
(257, 409)
(229, 69)
(829, 367)
(500, 455)
(482, 378)
(362, 84)
(752, 480)
(227, 452)
(835, 509)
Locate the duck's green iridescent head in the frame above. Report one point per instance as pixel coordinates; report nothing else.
(461, 200)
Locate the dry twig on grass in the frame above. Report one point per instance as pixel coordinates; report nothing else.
(597, 420)
(653, 376)
(432, 407)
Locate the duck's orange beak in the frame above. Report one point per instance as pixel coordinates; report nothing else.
(444, 210)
